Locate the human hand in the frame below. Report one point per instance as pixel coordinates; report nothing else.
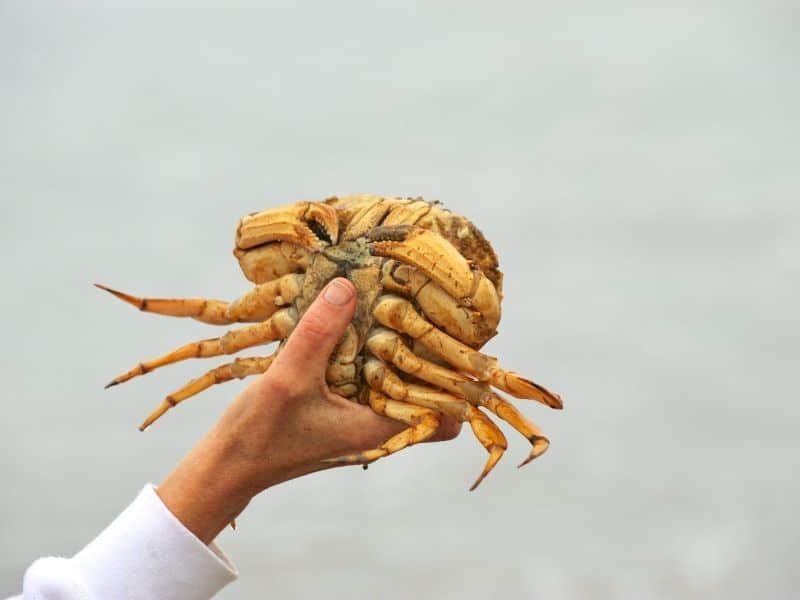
(282, 426)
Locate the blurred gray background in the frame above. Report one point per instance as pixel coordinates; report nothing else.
(637, 170)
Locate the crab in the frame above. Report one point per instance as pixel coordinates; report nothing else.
(429, 292)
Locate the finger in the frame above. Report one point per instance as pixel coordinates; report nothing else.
(369, 429)
(311, 343)
(449, 428)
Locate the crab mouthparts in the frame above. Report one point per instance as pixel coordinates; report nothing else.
(318, 228)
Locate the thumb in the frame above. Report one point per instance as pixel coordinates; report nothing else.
(308, 348)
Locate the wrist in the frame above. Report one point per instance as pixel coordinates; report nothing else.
(206, 491)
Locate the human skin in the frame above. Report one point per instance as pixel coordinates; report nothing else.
(282, 426)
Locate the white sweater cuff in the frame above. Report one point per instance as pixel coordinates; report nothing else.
(147, 552)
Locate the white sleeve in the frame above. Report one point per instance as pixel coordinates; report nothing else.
(145, 553)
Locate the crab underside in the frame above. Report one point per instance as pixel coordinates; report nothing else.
(429, 293)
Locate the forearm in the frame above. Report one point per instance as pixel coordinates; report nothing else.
(207, 490)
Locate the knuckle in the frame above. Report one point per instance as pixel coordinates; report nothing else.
(284, 388)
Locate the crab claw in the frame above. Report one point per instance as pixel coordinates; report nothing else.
(435, 257)
(430, 253)
(309, 224)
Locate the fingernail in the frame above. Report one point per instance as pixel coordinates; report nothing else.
(337, 293)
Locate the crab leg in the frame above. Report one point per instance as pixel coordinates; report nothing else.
(238, 369)
(509, 413)
(201, 309)
(257, 304)
(423, 424)
(386, 211)
(469, 325)
(408, 213)
(341, 373)
(270, 261)
(381, 378)
(440, 261)
(277, 327)
(265, 299)
(366, 219)
(400, 315)
(388, 346)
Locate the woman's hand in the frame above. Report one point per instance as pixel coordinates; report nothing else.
(282, 426)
